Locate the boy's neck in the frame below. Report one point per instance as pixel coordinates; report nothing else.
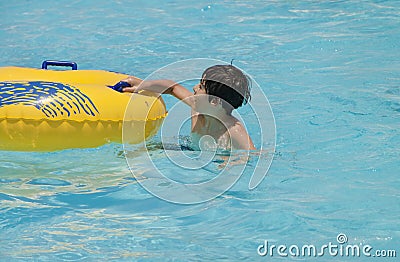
(218, 118)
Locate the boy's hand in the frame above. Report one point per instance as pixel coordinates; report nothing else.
(129, 84)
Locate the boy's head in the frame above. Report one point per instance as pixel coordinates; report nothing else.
(228, 83)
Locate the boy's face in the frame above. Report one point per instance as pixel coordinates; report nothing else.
(199, 88)
(200, 99)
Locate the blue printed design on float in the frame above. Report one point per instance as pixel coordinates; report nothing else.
(53, 99)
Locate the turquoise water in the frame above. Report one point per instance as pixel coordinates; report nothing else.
(331, 73)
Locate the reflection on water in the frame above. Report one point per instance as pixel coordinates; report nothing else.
(35, 174)
(192, 176)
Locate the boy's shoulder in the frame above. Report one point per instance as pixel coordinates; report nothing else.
(236, 127)
(239, 136)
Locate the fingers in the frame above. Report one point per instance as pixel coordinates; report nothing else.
(132, 89)
(129, 84)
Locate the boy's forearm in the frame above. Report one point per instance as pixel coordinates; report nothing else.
(158, 86)
(162, 86)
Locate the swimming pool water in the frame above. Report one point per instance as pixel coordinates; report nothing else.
(331, 73)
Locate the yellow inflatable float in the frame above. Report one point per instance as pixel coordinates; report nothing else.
(47, 110)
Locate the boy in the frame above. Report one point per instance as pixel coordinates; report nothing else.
(222, 88)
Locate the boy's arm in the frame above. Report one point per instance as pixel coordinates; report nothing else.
(161, 87)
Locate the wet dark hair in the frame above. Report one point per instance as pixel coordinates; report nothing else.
(228, 83)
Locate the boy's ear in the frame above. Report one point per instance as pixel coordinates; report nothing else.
(216, 101)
